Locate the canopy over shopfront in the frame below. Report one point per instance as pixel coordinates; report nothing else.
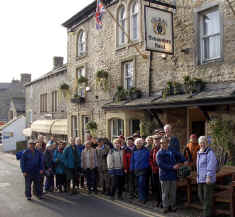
(59, 127)
(54, 127)
(27, 132)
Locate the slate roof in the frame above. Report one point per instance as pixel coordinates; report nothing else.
(19, 104)
(10, 122)
(7, 92)
(213, 94)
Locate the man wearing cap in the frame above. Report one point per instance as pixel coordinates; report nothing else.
(32, 166)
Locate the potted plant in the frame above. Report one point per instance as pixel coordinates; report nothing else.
(198, 85)
(121, 94)
(82, 79)
(64, 86)
(102, 79)
(134, 93)
(169, 88)
(77, 99)
(92, 127)
(177, 88)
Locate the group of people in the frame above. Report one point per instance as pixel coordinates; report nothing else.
(134, 165)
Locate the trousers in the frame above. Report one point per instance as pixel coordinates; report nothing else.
(117, 184)
(91, 179)
(205, 194)
(156, 187)
(142, 187)
(168, 193)
(29, 179)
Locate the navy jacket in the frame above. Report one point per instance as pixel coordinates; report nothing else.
(31, 163)
(166, 159)
(140, 161)
(174, 144)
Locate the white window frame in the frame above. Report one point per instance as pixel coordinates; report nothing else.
(134, 5)
(54, 101)
(81, 71)
(81, 44)
(122, 22)
(74, 126)
(130, 75)
(119, 124)
(207, 36)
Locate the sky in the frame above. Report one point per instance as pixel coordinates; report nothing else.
(31, 34)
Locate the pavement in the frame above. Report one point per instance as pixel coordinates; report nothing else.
(14, 204)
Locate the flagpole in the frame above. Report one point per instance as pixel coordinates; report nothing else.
(127, 35)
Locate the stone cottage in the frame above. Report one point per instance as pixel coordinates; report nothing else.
(46, 110)
(204, 32)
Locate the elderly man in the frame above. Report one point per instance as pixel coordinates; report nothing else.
(42, 142)
(72, 163)
(174, 144)
(168, 161)
(206, 175)
(32, 166)
(140, 165)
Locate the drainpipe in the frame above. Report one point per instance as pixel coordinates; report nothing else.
(150, 71)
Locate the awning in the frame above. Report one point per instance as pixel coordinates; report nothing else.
(213, 94)
(27, 132)
(42, 126)
(59, 127)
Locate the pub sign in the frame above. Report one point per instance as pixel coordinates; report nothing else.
(159, 30)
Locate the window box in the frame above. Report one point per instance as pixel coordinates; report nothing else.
(78, 99)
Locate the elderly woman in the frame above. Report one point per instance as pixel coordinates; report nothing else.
(174, 144)
(140, 165)
(168, 161)
(49, 167)
(89, 166)
(115, 168)
(149, 143)
(206, 175)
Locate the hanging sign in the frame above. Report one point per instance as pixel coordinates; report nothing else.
(159, 30)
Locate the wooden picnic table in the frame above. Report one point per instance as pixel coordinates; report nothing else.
(226, 195)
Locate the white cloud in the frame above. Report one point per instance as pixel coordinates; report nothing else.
(31, 34)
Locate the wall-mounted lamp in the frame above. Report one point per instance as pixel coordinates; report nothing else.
(88, 89)
(163, 56)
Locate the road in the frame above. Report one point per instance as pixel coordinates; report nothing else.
(14, 204)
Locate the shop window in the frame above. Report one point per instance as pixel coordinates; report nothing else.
(74, 126)
(134, 126)
(117, 128)
(128, 70)
(210, 35)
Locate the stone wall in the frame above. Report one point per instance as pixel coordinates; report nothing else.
(102, 53)
(46, 85)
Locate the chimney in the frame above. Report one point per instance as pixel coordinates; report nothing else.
(25, 78)
(58, 62)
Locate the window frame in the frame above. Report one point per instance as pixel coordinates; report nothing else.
(125, 78)
(112, 127)
(81, 90)
(54, 101)
(122, 19)
(81, 42)
(197, 25)
(43, 103)
(132, 14)
(74, 126)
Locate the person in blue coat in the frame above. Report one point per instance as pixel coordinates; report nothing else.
(58, 159)
(31, 164)
(174, 144)
(168, 161)
(140, 165)
(72, 163)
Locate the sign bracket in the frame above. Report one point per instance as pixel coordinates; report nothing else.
(161, 3)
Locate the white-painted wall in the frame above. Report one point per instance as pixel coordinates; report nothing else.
(15, 129)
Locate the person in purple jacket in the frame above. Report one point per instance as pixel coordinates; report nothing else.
(206, 175)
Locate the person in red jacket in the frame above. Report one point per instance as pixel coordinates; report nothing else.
(129, 176)
(156, 187)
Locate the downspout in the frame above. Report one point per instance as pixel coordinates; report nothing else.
(150, 72)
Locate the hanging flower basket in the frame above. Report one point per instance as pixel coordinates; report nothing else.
(92, 127)
(102, 79)
(78, 99)
(82, 80)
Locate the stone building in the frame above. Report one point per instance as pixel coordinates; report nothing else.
(46, 110)
(12, 98)
(204, 32)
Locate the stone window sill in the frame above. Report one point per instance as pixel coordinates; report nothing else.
(81, 56)
(218, 60)
(132, 44)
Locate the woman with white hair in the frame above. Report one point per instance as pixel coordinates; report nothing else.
(206, 175)
(140, 165)
(48, 166)
(115, 168)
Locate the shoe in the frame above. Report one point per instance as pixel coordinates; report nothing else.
(28, 198)
(165, 210)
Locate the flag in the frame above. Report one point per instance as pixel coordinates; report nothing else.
(99, 14)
